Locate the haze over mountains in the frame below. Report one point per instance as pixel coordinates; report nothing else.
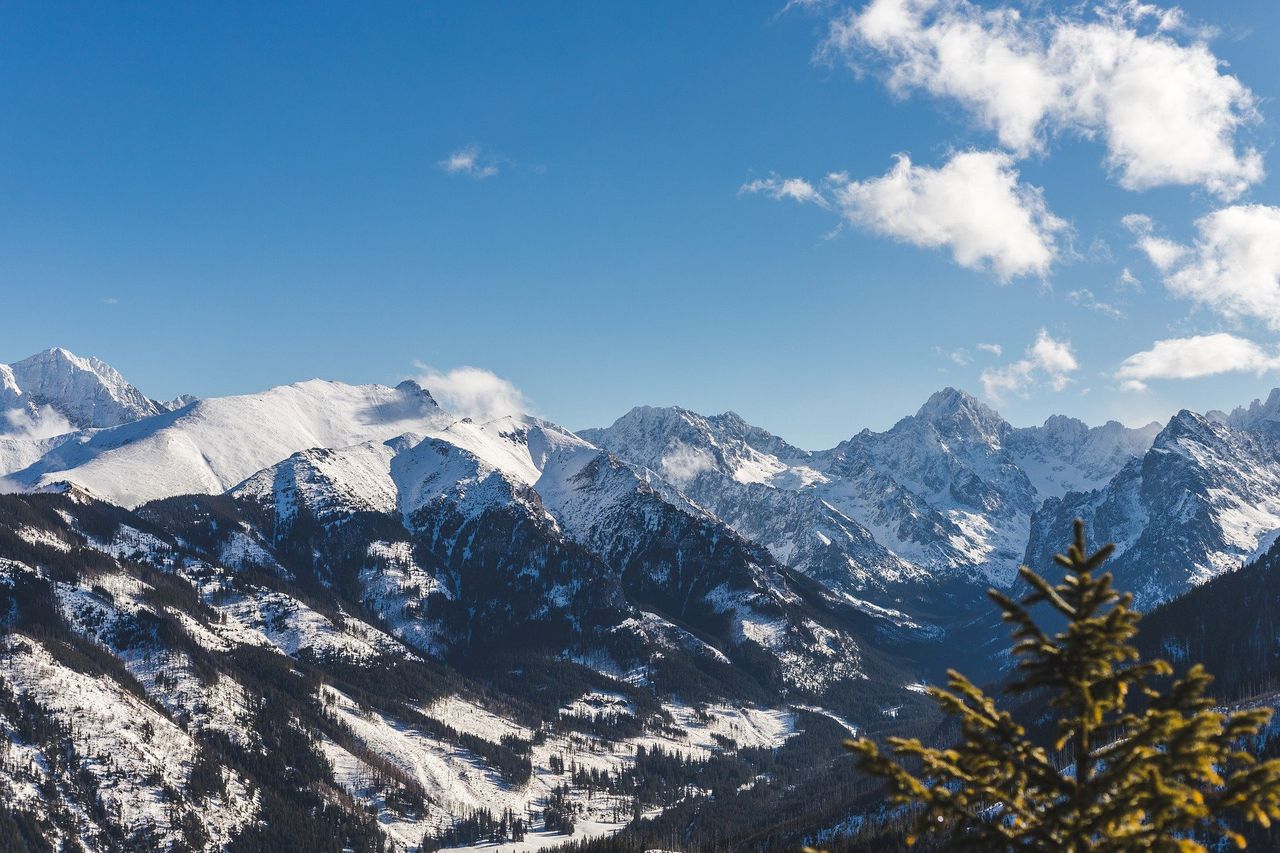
(452, 611)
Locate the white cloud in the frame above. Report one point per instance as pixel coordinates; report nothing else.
(1194, 357)
(40, 422)
(1163, 108)
(1134, 12)
(1161, 251)
(974, 205)
(961, 357)
(470, 161)
(796, 189)
(807, 5)
(1085, 299)
(683, 463)
(473, 392)
(1138, 223)
(1129, 281)
(1054, 357)
(994, 349)
(1047, 360)
(1233, 266)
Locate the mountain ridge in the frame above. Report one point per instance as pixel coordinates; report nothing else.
(344, 605)
(890, 519)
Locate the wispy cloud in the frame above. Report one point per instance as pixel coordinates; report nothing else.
(1047, 360)
(35, 423)
(1085, 299)
(471, 162)
(473, 392)
(778, 188)
(684, 463)
(1129, 281)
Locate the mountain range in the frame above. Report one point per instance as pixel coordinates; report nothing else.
(224, 615)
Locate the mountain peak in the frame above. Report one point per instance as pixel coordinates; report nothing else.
(1257, 412)
(1189, 425)
(59, 358)
(88, 392)
(411, 387)
(1065, 424)
(950, 408)
(947, 402)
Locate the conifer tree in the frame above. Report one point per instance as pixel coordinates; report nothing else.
(1130, 768)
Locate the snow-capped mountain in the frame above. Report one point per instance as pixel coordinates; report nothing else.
(1066, 455)
(56, 390)
(670, 555)
(1257, 413)
(759, 485)
(943, 496)
(1203, 500)
(343, 610)
(945, 493)
(396, 621)
(211, 445)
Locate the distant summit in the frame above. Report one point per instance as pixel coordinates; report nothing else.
(87, 392)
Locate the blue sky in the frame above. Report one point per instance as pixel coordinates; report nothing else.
(221, 198)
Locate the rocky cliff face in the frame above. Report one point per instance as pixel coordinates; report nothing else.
(1203, 500)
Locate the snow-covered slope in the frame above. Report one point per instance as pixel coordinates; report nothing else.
(204, 674)
(56, 390)
(947, 492)
(759, 485)
(211, 445)
(1066, 455)
(1204, 499)
(673, 556)
(945, 495)
(474, 464)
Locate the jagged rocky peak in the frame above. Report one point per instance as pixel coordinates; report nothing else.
(1066, 428)
(666, 422)
(681, 444)
(1065, 454)
(411, 387)
(57, 390)
(955, 412)
(1192, 426)
(734, 425)
(1202, 500)
(947, 401)
(1256, 413)
(655, 421)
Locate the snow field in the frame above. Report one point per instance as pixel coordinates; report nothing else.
(457, 781)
